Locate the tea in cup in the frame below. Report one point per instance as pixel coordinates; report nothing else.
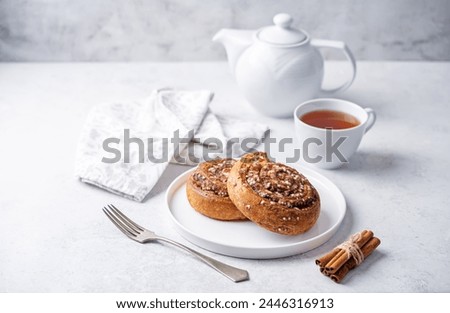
(330, 130)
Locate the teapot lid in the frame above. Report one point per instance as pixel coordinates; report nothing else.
(281, 33)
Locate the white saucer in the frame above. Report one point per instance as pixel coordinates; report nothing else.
(245, 239)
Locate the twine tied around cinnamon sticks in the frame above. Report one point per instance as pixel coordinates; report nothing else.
(352, 249)
(337, 263)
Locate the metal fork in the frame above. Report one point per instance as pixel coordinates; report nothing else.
(142, 235)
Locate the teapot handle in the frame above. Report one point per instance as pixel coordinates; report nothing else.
(340, 45)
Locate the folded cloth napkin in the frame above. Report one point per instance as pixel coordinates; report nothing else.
(125, 147)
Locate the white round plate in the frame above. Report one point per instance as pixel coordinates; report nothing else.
(245, 239)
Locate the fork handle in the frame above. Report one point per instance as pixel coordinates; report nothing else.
(231, 272)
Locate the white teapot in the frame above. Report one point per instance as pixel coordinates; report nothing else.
(278, 67)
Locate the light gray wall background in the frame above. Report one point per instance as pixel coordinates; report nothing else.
(181, 30)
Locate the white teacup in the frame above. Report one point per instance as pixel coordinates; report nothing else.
(330, 148)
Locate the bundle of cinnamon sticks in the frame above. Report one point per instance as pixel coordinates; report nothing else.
(337, 263)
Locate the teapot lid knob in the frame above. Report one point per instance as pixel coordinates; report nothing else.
(283, 20)
(281, 33)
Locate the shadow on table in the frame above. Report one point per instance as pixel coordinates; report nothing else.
(368, 263)
(375, 162)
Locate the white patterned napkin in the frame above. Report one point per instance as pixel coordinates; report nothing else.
(125, 147)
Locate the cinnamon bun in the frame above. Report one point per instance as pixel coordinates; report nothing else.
(273, 195)
(207, 190)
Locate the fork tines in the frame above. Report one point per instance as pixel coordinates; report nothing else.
(127, 226)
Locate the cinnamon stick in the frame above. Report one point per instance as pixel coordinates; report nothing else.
(367, 249)
(324, 260)
(342, 256)
(327, 257)
(336, 264)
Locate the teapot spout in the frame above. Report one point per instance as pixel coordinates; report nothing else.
(235, 42)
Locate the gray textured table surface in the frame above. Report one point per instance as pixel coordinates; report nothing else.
(54, 236)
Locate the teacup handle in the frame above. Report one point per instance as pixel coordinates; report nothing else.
(372, 117)
(339, 45)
